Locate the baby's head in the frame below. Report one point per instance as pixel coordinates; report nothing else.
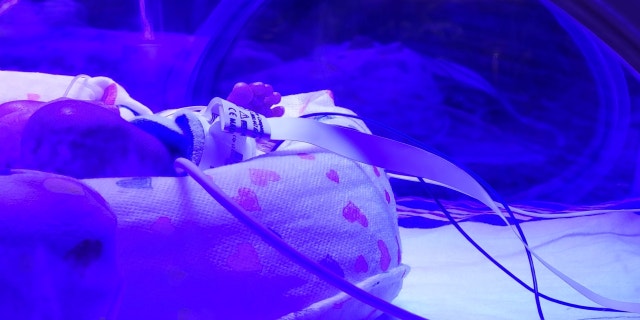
(14, 116)
(64, 135)
(25, 122)
(88, 140)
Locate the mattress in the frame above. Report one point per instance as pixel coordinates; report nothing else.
(450, 279)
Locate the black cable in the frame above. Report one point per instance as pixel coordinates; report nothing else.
(273, 240)
(505, 270)
(494, 195)
(535, 289)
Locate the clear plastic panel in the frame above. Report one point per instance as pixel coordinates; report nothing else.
(146, 46)
(518, 93)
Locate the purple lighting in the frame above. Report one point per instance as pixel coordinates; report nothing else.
(300, 129)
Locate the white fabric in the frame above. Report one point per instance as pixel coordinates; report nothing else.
(340, 213)
(46, 87)
(194, 236)
(182, 255)
(451, 280)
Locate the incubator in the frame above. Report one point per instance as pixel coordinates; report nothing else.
(430, 125)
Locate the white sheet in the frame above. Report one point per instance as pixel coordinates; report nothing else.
(450, 279)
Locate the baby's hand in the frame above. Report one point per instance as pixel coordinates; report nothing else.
(258, 97)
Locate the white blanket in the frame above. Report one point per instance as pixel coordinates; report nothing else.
(450, 279)
(180, 253)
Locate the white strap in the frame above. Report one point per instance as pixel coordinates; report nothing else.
(405, 159)
(394, 156)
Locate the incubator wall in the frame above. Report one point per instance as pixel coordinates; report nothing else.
(516, 91)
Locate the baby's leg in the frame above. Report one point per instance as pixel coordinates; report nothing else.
(57, 241)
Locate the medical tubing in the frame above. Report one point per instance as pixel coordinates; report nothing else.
(534, 277)
(511, 275)
(491, 191)
(518, 230)
(73, 81)
(285, 249)
(516, 223)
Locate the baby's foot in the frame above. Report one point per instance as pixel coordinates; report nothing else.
(258, 97)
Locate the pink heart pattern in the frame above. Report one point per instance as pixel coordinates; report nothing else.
(33, 96)
(385, 257)
(163, 225)
(245, 258)
(306, 156)
(361, 265)
(262, 177)
(340, 305)
(387, 196)
(247, 199)
(376, 171)
(399, 250)
(352, 213)
(110, 94)
(333, 176)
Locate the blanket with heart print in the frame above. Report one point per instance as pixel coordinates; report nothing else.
(179, 254)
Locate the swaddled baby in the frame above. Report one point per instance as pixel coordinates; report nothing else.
(57, 235)
(88, 139)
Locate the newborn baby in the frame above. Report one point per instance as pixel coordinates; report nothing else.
(57, 235)
(87, 139)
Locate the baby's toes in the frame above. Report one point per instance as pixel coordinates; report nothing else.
(241, 94)
(272, 99)
(257, 96)
(277, 111)
(261, 90)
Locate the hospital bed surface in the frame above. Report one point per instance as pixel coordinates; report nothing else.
(450, 279)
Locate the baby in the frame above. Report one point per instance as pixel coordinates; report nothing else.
(57, 235)
(87, 139)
